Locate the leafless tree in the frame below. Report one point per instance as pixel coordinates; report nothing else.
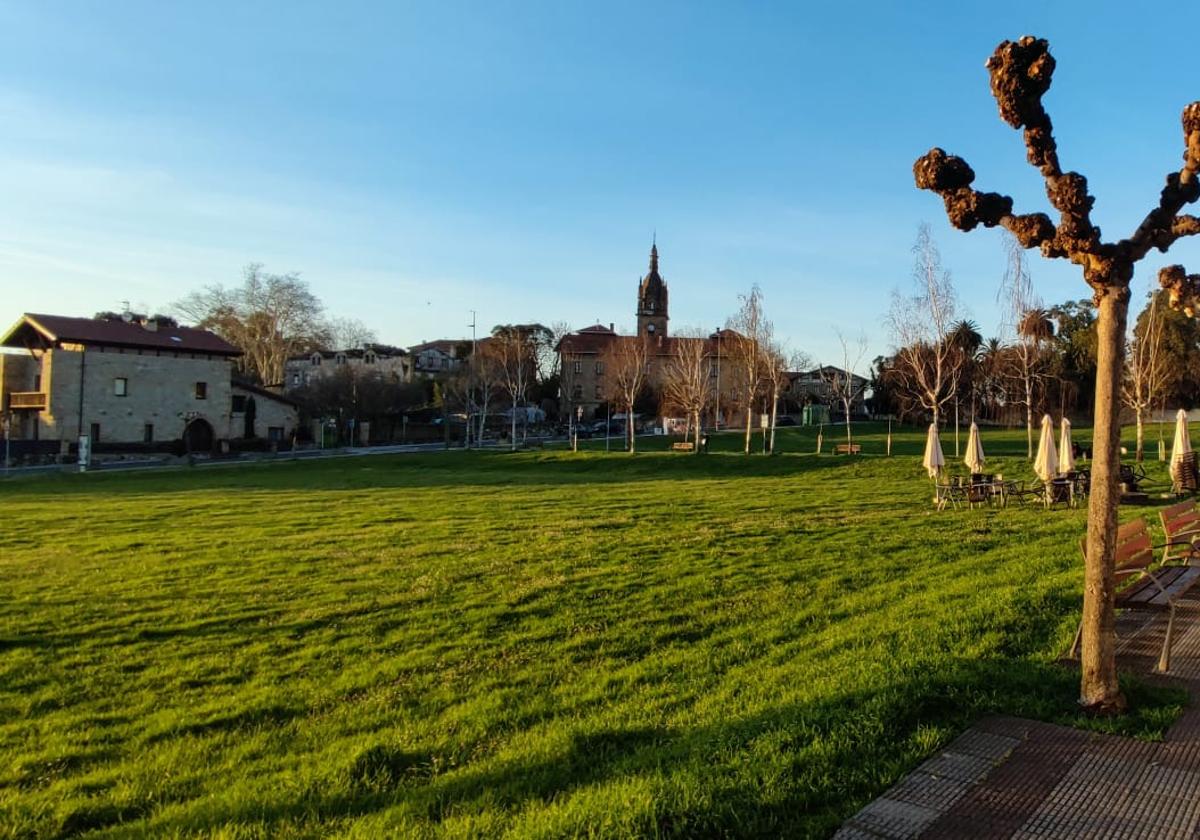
(1032, 330)
(1145, 370)
(744, 343)
(845, 385)
(515, 353)
(920, 322)
(1020, 73)
(626, 371)
(486, 372)
(687, 381)
(775, 377)
(270, 317)
(348, 334)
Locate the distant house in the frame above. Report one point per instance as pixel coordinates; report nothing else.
(122, 381)
(307, 368)
(812, 387)
(434, 358)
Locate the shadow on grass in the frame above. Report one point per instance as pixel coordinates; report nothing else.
(862, 740)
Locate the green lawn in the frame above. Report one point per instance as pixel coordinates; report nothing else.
(534, 644)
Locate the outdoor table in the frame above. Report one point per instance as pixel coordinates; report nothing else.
(1059, 490)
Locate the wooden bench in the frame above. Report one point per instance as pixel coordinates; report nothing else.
(683, 446)
(847, 449)
(1143, 588)
(1181, 525)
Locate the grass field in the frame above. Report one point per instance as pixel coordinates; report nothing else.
(537, 644)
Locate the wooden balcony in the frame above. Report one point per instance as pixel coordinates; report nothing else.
(35, 400)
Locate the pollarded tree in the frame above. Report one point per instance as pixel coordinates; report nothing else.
(1020, 75)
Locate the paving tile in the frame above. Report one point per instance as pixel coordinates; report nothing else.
(962, 766)
(892, 819)
(1018, 779)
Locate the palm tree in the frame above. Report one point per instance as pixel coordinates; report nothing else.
(965, 339)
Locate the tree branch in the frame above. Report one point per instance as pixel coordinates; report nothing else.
(1182, 288)
(1162, 225)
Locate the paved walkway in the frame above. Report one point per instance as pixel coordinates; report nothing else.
(1013, 778)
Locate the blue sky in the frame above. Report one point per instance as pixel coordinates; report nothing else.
(414, 162)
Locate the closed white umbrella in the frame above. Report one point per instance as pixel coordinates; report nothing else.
(1066, 452)
(1046, 462)
(1182, 444)
(934, 460)
(974, 459)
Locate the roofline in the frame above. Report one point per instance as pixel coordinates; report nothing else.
(30, 319)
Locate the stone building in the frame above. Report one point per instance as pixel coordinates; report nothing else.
(120, 381)
(581, 353)
(305, 369)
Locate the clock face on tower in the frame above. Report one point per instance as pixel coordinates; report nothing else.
(650, 328)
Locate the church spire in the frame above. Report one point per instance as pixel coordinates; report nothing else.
(652, 299)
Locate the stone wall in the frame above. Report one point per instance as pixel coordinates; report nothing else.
(160, 391)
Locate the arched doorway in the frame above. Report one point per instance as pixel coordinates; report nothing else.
(198, 436)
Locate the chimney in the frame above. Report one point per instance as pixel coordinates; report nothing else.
(611, 328)
(150, 324)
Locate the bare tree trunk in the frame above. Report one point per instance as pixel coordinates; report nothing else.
(1140, 413)
(1099, 691)
(1029, 421)
(749, 419)
(774, 415)
(629, 430)
(696, 420)
(846, 408)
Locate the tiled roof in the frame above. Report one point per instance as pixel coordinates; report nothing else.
(90, 331)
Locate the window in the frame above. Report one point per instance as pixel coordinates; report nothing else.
(295, 379)
(577, 392)
(339, 359)
(201, 390)
(275, 433)
(599, 395)
(369, 359)
(578, 367)
(599, 368)
(120, 387)
(239, 404)
(148, 433)
(95, 433)
(316, 359)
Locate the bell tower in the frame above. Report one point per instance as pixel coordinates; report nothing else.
(652, 300)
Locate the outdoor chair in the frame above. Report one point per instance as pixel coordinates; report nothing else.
(1024, 494)
(1082, 479)
(1132, 477)
(951, 493)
